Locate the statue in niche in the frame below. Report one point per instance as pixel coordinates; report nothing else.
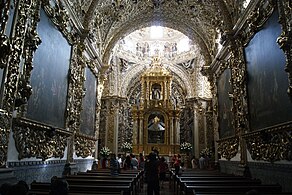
(156, 128)
(155, 94)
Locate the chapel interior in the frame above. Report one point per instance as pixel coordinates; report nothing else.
(81, 75)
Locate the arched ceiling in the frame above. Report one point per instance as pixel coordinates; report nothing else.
(200, 20)
(106, 22)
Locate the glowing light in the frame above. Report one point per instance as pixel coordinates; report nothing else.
(183, 45)
(156, 32)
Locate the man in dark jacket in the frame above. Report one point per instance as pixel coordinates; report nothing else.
(152, 175)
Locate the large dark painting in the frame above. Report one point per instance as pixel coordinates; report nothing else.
(225, 105)
(88, 104)
(269, 103)
(49, 76)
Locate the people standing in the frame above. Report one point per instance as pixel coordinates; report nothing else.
(120, 160)
(141, 161)
(127, 163)
(114, 165)
(94, 165)
(151, 171)
(202, 162)
(177, 164)
(163, 168)
(134, 162)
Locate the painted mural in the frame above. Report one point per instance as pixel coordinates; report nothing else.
(225, 117)
(49, 80)
(88, 104)
(269, 103)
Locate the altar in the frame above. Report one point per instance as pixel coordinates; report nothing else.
(156, 118)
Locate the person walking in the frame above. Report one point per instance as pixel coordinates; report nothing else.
(152, 178)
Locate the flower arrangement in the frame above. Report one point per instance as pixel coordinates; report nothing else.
(126, 147)
(186, 147)
(206, 152)
(105, 151)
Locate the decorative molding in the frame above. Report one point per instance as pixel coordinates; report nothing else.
(14, 50)
(13, 164)
(4, 136)
(271, 144)
(84, 145)
(285, 39)
(60, 17)
(5, 47)
(228, 147)
(33, 139)
(256, 19)
(31, 42)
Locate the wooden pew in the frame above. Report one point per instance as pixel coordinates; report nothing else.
(35, 192)
(103, 182)
(201, 189)
(243, 182)
(179, 179)
(113, 188)
(138, 175)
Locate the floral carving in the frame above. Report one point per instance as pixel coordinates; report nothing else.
(228, 148)
(37, 140)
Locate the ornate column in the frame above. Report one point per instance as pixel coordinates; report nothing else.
(240, 96)
(112, 125)
(75, 96)
(142, 135)
(196, 133)
(171, 127)
(135, 127)
(116, 130)
(177, 131)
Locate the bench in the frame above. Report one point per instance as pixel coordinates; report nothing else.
(200, 189)
(137, 179)
(179, 179)
(44, 188)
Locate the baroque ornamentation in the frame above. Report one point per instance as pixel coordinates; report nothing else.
(13, 65)
(186, 124)
(75, 94)
(239, 83)
(10, 85)
(285, 38)
(38, 140)
(5, 47)
(84, 145)
(271, 144)
(4, 136)
(60, 17)
(228, 147)
(32, 40)
(256, 19)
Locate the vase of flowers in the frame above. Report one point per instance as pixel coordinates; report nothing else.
(206, 152)
(186, 147)
(104, 152)
(127, 147)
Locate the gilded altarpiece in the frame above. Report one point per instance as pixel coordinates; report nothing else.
(155, 118)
